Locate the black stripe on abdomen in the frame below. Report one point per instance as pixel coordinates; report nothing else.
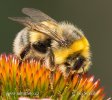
(42, 46)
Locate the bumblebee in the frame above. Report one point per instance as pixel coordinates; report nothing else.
(58, 43)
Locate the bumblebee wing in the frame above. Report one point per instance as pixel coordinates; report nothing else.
(53, 32)
(40, 27)
(36, 21)
(37, 15)
(26, 21)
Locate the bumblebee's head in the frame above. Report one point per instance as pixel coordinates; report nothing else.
(76, 55)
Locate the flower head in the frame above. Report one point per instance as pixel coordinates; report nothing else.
(32, 79)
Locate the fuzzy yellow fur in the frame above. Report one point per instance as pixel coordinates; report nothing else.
(78, 45)
(36, 36)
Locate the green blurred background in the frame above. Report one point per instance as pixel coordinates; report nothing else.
(94, 17)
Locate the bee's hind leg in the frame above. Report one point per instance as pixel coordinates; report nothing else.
(24, 53)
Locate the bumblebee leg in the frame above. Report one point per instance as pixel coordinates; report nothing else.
(51, 65)
(83, 70)
(81, 75)
(24, 53)
(49, 59)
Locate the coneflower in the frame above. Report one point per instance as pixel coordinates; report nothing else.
(32, 80)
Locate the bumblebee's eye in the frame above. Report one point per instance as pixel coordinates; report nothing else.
(42, 46)
(78, 63)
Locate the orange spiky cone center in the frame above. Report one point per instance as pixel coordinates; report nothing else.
(31, 79)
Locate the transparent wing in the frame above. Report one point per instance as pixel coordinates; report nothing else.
(26, 21)
(37, 15)
(41, 27)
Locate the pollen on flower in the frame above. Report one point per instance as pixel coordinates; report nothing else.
(32, 79)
